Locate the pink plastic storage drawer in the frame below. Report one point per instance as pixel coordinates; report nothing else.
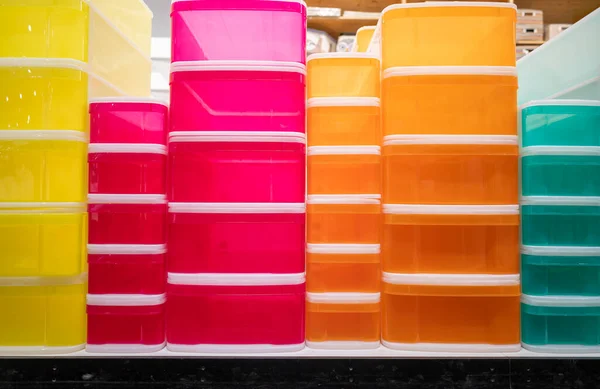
(237, 167)
(126, 269)
(237, 97)
(239, 30)
(236, 238)
(117, 168)
(125, 323)
(128, 120)
(235, 313)
(127, 219)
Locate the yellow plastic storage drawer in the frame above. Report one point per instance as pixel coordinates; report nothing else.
(43, 166)
(343, 75)
(42, 315)
(40, 242)
(72, 29)
(453, 33)
(363, 38)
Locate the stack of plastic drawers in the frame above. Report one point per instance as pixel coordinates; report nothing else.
(236, 191)
(344, 194)
(127, 218)
(560, 256)
(54, 55)
(450, 184)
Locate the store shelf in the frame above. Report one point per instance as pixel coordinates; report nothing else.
(337, 26)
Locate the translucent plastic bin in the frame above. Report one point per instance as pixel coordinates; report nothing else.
(239, 30)
(127, 269)
(560, 324)
(342, 268)
(560, 221)
(453, 100)
(43, 166)
(42, 315)
(347, 219)
(560, 271)
(235, 313)
(451, 313)
(560, 170)
(125, 323)
(451, 169)
(348, 321)
(363, 39)
(237, 96)
(123, 168)
(242, 167)
(344, 170)
(343, 75)
(343, 121)
(127, 219)
(588, 90)
(440, 239)
(38, 240)
(236, 237)
(128, 120)
(457, 33)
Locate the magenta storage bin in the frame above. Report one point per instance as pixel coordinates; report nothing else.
(237, 167)
(116, 168)
(239, 30)
(235, 312)
(128, 120)
(237, 97)
(127, 219)
(236, 238)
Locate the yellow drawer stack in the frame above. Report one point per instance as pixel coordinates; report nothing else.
(55, 55)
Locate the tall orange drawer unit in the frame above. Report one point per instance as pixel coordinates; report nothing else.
(343, 75)
(451, 313)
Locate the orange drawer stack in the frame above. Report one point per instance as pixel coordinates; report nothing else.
(344, 201)
(450, 243)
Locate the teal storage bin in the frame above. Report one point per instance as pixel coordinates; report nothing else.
(560, 221)
(556, 271)
(560, 324)
(560, 123)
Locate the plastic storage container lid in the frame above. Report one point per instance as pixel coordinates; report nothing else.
(19, 208)
(126, 300)
(559, 102)
(426, 209)
(236, 279)
(241, 65)
(343, 298)
(343, 102)
(561, 200)
(127, 148)
(126, 249)
(329, 248)
(452, 279)
(450, 71)
(54, 135)
(342, 55)
(253, 208)
(128, 99)
(237, 136)
(281, 1)
(561, 251)
(560, 150)
(64, 63)
(43, 281)
(127, 199)
(391, 140)
(561, 301)
(432, 4)
(344, 150)
(344, 199)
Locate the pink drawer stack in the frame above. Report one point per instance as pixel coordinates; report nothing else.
(236, 166)
(127, 160)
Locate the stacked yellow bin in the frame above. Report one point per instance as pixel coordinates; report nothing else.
(450, 184)
(54, 56)
(343, 211)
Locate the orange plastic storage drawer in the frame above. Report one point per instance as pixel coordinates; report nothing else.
(343, 320)
(343, 75)
(453, 313)
(450, 100)
(453, 33)
(452, 169)
(343, 121)
(342, 268)
(344, 170)
(363, 38)
(343, 219)
(450, 239)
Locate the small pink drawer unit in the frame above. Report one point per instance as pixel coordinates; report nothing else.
(124, 323)
(239, 30)
(236, 238)
(128, 120)
(121, 168)
(126, 269)
(235, 312)
(127, 219)
(237, 167)
(237, 97)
